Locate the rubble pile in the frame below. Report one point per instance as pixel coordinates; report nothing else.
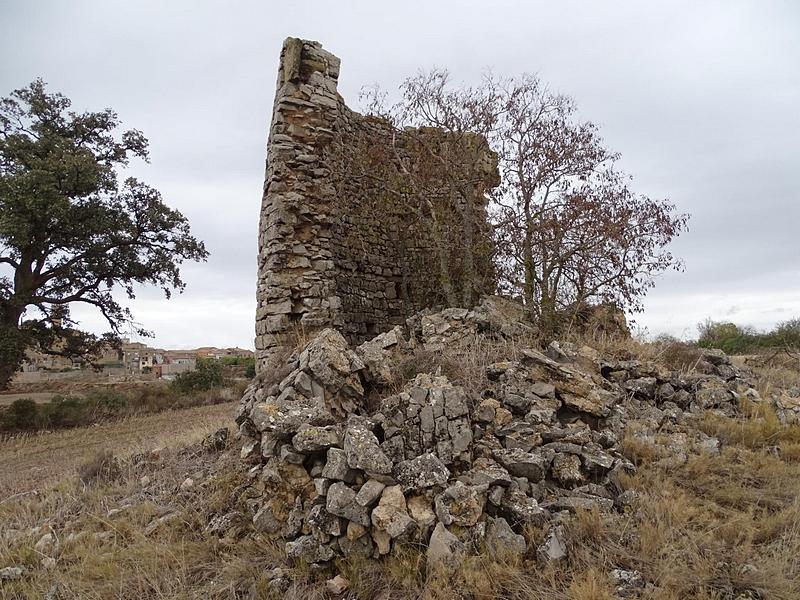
(341, 466)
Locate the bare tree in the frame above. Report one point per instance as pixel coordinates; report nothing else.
(569, 228)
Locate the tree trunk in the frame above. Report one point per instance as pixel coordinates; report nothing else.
(548, 322)
(12, 344)
(528, 266)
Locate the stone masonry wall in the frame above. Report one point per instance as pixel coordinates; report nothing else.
(332, 253)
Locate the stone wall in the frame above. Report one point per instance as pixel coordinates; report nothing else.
(335, 249)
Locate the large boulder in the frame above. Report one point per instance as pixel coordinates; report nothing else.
(461, 504)
(424, 471)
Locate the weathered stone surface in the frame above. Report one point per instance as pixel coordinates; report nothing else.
(573, 503)
(11, 573)
(523, 464)
(566, 469)
(422, 472)
(323, 524)
(627, 583)
(444, 549)
(576, 389)
(420, 509)
(314, 439)
(461, 504)
(370, 492)
(554, 547)
(486, 472)
(485, 411)
(361, 546)
(337, 585)
(519, 509)
(284, 415)
(391, 514)
(336, 466)
(500, 316)
(596, 461)
(712, 393)
(341, 501)
(363, 450)
(265, 521)
(308, 549)
(430, 415)
(287, 454)
(216, 441)
(544, 390)
(382, 539)
(226, 524)
(294, 521)
(643, 387)
(501, 541)
(380, 352)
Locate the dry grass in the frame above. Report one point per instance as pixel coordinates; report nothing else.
(717, 527)
(464, 365)
(37, 461)
(775, 372)
(103, 467)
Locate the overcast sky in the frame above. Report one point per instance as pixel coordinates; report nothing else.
(701, 98)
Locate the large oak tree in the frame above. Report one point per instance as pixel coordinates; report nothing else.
(71, 232)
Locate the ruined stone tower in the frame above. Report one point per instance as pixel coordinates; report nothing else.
(330, 254)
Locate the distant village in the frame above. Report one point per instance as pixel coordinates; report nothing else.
(138, 361)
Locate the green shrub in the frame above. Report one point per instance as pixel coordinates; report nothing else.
(241, 361)
(786, 333)
(21, 414)
(108, 400)
(104, 403)
(733, 339)
(208, 375)
(65, 411)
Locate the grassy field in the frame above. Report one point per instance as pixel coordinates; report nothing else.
(41, 460)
